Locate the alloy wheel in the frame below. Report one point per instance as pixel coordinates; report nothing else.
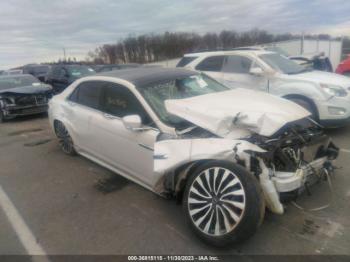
(216, 201)
(64, 138)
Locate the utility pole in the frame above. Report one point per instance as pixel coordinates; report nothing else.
(64, 54)
(302, 43)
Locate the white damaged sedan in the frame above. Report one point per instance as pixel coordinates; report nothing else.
(226, 154)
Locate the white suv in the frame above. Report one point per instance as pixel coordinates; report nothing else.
(325, 95)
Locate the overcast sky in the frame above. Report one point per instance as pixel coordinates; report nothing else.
(37, 30)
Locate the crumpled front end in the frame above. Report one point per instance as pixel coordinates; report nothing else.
(295, 160)
(285, 165)
(24, 104)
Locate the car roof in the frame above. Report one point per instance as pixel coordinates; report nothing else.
(143, 76)
(15, 75)
(113, 65)
(230, 52)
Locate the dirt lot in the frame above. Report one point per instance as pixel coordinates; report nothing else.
(57, 198)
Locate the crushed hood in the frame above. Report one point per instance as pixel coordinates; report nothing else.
(32, 89)
(224, 113)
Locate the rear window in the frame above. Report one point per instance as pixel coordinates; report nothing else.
(213, 63)
(185, 61)
(88, 94)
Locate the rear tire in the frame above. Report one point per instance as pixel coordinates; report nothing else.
(2, 118)
(64, 139)
(223, 203)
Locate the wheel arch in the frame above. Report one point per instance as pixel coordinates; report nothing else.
(305, 98)
(66, 124)
(176, 181)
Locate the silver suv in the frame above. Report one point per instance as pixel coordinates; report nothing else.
(225, 153)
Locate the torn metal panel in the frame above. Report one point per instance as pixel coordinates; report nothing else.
(170, 154)
(230, 114)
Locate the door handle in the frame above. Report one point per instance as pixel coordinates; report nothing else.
(146, 146)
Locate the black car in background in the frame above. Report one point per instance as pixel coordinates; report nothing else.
(61, 76)
(107, 68)
(39, 71)
(22, 95)
(315, 62)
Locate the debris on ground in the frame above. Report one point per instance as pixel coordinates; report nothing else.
(110, 184)
(38, 142)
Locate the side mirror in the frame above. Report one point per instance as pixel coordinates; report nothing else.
(132, 122)
(257, 71)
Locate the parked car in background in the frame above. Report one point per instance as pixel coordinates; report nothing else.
(106, 68)
(344, 67)
(62, 75)
(22, 95)
(325, 95)
(179, 133)
(12, 72)
(38, 71)
(316, 61)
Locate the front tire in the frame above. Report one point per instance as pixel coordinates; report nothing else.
(64, 139)
(223, 203)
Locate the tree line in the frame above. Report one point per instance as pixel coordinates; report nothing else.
(148, 48)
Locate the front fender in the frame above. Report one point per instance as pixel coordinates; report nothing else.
(169, 155)
(306, 89)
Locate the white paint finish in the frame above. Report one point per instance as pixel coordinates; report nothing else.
(18, 224)
(170, 154)
(257, 111)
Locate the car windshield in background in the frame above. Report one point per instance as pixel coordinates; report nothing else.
(8, 82)
(185, 61)
(282, 64)
(40, 69)
(278, 50)
(194, 85)
(79, 71)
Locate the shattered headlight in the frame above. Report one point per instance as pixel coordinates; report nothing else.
(333, 90)
(8, 100)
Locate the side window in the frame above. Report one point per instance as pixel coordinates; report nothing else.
(55, 72)
(62, 73)
(213, 63)
(74, 95)
(237, 64)
(119, 101)
(88, 94)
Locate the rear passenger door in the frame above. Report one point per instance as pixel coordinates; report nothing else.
(212, 66)
(130, 152)
(83, 105)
